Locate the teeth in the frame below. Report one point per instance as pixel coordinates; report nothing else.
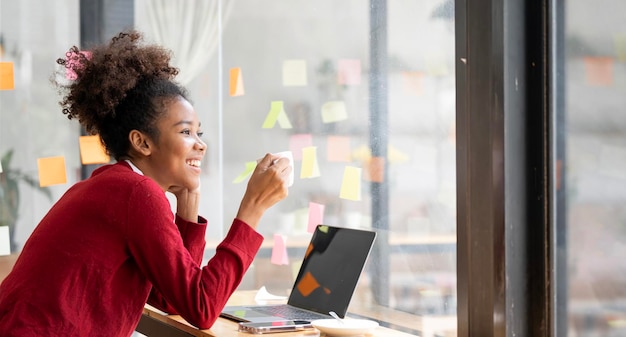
(194, 163)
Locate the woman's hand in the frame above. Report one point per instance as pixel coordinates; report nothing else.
(187, 202)
(266, 187)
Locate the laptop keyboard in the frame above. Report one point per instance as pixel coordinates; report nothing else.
(289, 312)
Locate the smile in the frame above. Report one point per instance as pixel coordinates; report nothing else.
(194, 163)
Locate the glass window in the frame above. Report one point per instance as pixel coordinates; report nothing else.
(361, 92)
(594, 166)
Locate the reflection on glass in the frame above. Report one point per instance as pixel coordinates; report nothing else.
(595, 168)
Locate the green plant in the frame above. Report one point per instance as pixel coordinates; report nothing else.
(10, 179)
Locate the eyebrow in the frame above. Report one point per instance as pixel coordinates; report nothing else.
(186, 122)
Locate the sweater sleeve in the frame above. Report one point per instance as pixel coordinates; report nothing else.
(159, 248)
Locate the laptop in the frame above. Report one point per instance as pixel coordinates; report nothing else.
(326, 281)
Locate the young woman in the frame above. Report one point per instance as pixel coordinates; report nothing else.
(111, 242)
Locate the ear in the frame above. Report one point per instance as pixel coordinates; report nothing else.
(140, 143)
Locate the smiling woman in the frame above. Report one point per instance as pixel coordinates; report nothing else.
(111, 241)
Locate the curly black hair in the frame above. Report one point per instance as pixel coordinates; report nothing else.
(120, 86)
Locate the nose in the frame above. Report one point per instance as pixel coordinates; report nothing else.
(201, 145)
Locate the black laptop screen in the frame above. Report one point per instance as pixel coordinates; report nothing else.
(331, 268)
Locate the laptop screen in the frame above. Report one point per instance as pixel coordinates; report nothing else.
(331, 268)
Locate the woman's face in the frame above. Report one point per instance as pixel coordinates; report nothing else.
(177, 153)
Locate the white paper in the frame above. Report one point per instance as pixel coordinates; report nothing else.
(288, 155)
(263, 296)
(5, 242)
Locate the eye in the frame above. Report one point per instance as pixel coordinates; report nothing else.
(200, 133)
(186, 131)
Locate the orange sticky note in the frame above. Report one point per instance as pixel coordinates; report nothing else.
(349, 72)
(351, 184)
(7, 78)
(299, 141)
(412, 83)
(310, 168)
(599, 70)
(51, 171)
(316, 216)
(236, 82)
(279, 250)
(377, 169)
(92, 151)
(338, 149)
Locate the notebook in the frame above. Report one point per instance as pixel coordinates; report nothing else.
(330, 270)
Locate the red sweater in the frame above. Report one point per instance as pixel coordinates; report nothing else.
(110, 244)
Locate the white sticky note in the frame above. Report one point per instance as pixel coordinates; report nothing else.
(5, 241)
(288, 155)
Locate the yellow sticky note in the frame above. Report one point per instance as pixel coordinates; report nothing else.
(349, 71)
(620, 46)
(338, 149)
(310, 167)
(51, 171)
(236, 82)
(599, 70)
(250, 166)
(351, 184)
(294, 73)
(7, 78)
(277, 114)
(334, 111)
(92, 151)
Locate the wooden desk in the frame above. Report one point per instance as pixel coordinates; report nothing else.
(155, 323)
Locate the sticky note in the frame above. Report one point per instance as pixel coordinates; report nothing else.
(0, 167)
(599, 70)
(7, 77)
(5, 241)
(412, 83)
(334, 111)
(295, 269)
(73, 63)
(316, 216)
(51, 171)
(310, 167)
(377, 169)
(250, 166)
(279, 250)
(276, 114)
(338, 149)
(92, 151)
(349, 72)
(289, 156)
(351, 184)
(299, 141)
(236, 82)
(294, 73)
(620, 46)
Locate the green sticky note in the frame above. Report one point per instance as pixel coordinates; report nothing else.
(276, 114)
(250, 166)
(294, 73)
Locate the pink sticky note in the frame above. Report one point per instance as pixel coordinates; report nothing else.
(599, 70)
(298, 142)
(349, 72)
(73, 63)
(338, 149)
(279, 251)
(316, 216)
